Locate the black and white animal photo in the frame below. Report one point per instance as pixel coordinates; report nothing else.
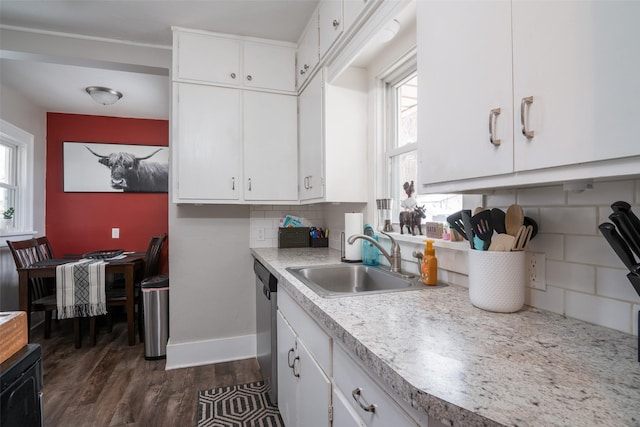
(91, 167)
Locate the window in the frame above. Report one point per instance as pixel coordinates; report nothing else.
(401, 153)
(16, 153)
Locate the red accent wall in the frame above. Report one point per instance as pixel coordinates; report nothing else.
(81, 222)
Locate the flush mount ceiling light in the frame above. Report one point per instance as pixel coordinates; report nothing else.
(389, 31)
(103, 95)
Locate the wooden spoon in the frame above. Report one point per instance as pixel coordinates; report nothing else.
(514, 219)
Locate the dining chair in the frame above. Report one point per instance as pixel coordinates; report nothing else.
(42, 291)
(43, 297)
(115, 290)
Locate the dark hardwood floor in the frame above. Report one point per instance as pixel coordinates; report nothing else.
(112, 384)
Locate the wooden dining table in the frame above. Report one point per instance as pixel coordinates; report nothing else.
(130, 266)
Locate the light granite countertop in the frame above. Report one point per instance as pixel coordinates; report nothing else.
(468, 367)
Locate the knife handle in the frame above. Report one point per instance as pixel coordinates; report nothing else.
(628, 232)
(618, 244)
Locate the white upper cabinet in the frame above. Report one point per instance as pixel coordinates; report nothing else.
(330, 23)
(567, 72)
(207, 58)
(269, 66)
(333, 139)
(308, 53)
(462, 77)
(270, 147)
(580, 63)
(231, 61)
(206, 143)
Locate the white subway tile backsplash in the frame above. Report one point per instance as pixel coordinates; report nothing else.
(613, 283)
(603, 193)
(569, 220)
(602, 311)
(590, 250)
(567, 275)
(552, 299)
(500, 199)
(552, 245)
(542, 196)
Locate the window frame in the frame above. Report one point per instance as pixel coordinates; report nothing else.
(24, 144)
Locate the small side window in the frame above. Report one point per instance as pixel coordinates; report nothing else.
(16, 204)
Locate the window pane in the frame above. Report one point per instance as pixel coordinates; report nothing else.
(407, 96)
(7, 199)
(404, 168)
(7, 164)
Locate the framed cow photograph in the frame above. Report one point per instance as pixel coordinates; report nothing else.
(115, 168)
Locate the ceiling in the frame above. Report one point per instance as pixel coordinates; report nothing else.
(59, 87)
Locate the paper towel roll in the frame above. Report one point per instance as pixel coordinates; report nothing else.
(352, 225)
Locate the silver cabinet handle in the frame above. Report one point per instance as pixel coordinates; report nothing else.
(336, 24)
(249, 78)
(249, 184)
(306, 182)
(233, 182)
(493, 118)
(296, 374)
(524, 110)
(310, 186)
(233, 75)
(357, 395)
(289, 354)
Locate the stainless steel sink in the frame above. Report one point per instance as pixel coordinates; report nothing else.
(352, 279)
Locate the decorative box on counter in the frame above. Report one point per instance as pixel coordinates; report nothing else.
(434, 229)
(293, 237)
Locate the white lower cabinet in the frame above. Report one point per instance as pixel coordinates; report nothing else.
(373, 406)
(304, 352)
(320, 384)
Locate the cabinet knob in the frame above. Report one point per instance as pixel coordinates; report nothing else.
(233, 182)
(296, 373)
(525, 104)
(249, 184)
(493, 118)
(306, 67)
(249, 77)
(336, 24)
(302, 72)
(233, 75)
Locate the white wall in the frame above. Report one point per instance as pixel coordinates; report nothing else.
(22, 113)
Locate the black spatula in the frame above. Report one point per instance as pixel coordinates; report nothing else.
(482, 227)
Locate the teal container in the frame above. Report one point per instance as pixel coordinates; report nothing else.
(370, 254)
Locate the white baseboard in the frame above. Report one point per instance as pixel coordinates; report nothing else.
(184, 355)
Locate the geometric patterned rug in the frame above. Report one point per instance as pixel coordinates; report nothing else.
(245, 405)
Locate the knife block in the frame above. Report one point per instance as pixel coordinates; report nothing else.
(497, 280)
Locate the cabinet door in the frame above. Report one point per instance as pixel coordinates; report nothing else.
(307, 55)
(268, 66)
(330, 23)
(464, 72)
(208, 58)
(207, 149)
(287, 382)
(314, 391)
(311, 141)
(580, 61)
(270, 147)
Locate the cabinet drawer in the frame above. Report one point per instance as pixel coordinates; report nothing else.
(349, 376)
(314, 338)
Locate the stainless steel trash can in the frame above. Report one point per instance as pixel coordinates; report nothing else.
(155, 306)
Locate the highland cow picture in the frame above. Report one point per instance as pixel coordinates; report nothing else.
(115, 168)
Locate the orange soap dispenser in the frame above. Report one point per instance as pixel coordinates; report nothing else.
(429, 271)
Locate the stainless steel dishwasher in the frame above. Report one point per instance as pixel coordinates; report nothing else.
(266, 327)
